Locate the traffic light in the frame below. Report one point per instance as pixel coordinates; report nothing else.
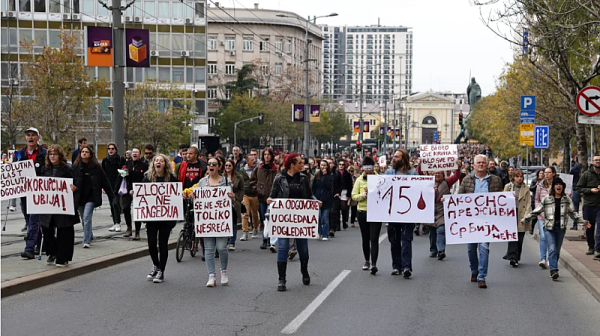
(261, 118)
(460, 122)
(358, 145)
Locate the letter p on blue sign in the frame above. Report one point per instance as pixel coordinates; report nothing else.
(528, 103)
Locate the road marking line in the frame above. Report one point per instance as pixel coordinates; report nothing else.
(382, 237)
(296, 323)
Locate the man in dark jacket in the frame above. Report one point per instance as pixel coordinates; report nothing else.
(32, 151)
(111, 164)
(261, 182)
(82, 142)
(589, 187)
(342, 192)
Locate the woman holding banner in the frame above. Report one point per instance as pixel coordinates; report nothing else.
(213, 179)
(555, 207)
(322, 189)
(160, 170)
(238, 190)
(523, 204)
(291, 183)
(369, 231)
(59, 247)
(90, 180)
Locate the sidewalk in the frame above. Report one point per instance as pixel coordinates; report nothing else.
(108, 248)
(582, 266)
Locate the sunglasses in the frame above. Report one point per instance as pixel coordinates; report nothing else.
(213, 164)
(111, 148)
(228, 166)
(148, 153)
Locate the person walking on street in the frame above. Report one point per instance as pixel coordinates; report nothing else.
(322, 188)
(36, 153)
(589, 187)
(437, 231)
(59, 246)
(181, 156)
(342, 186)
(539, 176)
(543, 190)
(400, 235)
(148, 153)
(523, 204)
(261, 182)
(89, 180)
(81, 143)
(369, 231)
(354, 172)
(213, 179)
(111, 165)
(481, 182)
(159, 171)
(250, 200)
(134, 173)
(238, 189)
(291, 183)
(555, 207)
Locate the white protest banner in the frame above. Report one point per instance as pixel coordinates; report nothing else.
(400, 199)
(568, 179)
(160, 201)
(294, 218)
(480, 218)
(49, 195)
(438, 157)
(13, 178)
(213, 214)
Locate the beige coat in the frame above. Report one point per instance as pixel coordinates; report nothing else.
(523, 205)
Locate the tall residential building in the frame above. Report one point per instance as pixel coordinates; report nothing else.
(177, 44)
(373, 62)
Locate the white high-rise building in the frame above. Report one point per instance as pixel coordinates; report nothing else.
(379, 57)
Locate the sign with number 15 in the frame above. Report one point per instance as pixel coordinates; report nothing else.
(400, 199)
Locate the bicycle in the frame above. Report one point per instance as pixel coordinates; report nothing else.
(187, 240)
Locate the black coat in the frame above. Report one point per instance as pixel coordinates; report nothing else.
(137, 170)
(99, 182)
(342, 183)
(61, 220)
(40, 159)
(110, 169)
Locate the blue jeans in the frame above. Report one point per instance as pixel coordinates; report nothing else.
(234, 229)
(479, 265)
(86, 212)
(543, 243)
(400, 236)
(437, 239)
(555, 240)
(220, 244)
(591, 214)
(324, 222)
(284, 246)
(576, 199)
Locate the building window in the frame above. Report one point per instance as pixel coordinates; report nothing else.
(265, 69)
(278, 68)
(248, 44)
(230, 69)
(227, 94)
(230, 43)
(288, 47)
(212, 43)
(279, 46)
(211, 93)
(200, 75)
(263, 45)
(212, 68)
(200, 10)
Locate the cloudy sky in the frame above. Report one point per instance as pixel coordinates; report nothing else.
(449, 38)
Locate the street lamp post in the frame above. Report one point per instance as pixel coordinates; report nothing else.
(306, 144)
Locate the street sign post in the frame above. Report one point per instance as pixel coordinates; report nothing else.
(582, 119)
(542, 137)
(527, 134)
(588, 101)
(527, 109)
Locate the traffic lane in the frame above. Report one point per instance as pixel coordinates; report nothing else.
(440, 299)
(118, 300)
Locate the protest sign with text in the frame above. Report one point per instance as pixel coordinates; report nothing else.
(294, 218)
(213, 212)
(438, 157)
(480, 218)
(49, 195)
(160, 201)
(13, 178)
(568, 179)
(400, 199)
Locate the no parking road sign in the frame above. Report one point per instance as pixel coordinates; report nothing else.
(588, 101)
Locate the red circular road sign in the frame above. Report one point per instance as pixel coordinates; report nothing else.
(588, 101)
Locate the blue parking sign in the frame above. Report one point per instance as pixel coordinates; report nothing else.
(527, 103)
(541, 136)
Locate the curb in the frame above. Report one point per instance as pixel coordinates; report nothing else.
(587, 278)
(33, 281)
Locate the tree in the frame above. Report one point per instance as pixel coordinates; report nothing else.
(62, 98)
(240, 107)
(14, 116)
(564, 39)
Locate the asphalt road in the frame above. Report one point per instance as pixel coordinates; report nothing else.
(438, 300)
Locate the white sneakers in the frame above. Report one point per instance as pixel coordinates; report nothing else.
(12, 208)
(212, 279)
(543, 264)
(115, 228)
(87, 245)
(244, 236)
(325, 239)
(224, 278)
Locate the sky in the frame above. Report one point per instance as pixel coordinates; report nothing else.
(450, 40)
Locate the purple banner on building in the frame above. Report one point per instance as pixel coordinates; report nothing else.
(298, 112)
(137, 48)
(315, 113)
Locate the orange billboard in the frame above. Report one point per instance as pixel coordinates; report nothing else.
(99, 50)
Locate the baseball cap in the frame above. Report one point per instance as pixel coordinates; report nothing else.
(33, 129)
